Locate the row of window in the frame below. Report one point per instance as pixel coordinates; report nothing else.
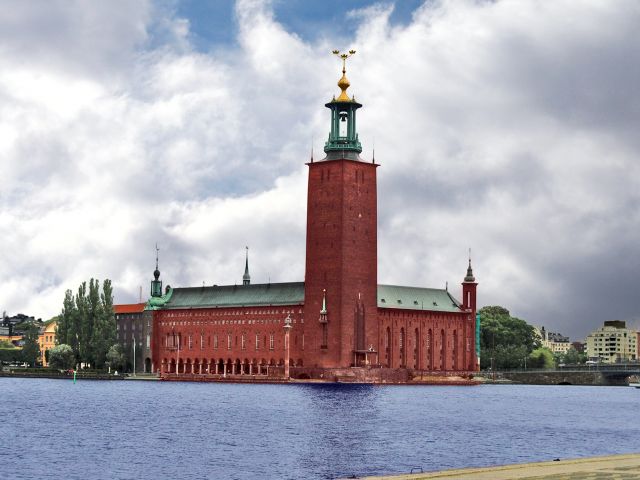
(125, 326)
(174, 341)
(261, 321)
(227, 312)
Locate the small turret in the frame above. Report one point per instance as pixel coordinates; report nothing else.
(156, 283)
(469, 286)
(343, 139)
(469, 277)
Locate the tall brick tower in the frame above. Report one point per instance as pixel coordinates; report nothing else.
(341, 261)
(469, 288)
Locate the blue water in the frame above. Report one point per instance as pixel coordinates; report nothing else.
(156, 430)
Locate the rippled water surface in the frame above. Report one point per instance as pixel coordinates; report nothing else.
(154, 430)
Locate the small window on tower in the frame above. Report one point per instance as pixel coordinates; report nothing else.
(343, 124)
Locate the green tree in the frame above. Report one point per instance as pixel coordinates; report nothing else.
(116, 357)
(31, 348)
(62, 356)
(541, 358)
(67, 326)
(505, 339)
(104, 324)
(574, 357)
(87, 322)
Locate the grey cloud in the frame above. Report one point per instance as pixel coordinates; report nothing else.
(510, 134)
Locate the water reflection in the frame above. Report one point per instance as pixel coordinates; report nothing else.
(181, 430)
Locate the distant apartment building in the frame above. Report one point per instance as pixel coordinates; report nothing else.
(613, 343)
(130, 329)
(555, 342)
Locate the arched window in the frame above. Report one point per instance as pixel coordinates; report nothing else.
(416, 345)
(454, 350)
(429, 349)
(387, 347)
(443, 350)
(403, 357)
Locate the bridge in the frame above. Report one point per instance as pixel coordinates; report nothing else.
(601, 374)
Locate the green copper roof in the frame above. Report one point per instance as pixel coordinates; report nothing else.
(266, 294)
(156, 303)
(415, 298)
(238, 295)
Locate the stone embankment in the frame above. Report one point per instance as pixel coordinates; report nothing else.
(615, 467)
(560, 377)
(80, 375)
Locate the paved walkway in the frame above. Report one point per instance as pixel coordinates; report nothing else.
(617, 467)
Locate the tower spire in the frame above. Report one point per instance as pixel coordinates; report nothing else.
(246, 278)
(343, 83)
(157, 250)
(156, 283)
(469, 277)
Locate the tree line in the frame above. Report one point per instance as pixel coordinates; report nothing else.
(86, 328)
(508, 342)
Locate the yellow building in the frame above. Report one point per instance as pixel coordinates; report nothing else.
(47, 339)
(613, 343)
(555, 342)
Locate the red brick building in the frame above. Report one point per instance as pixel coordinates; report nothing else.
(339, 321)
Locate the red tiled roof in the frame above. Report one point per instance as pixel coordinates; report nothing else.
(129, 308)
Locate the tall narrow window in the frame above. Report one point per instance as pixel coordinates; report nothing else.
(243, 343)
(228, 341)
(387, 347)
(429, 348)
(325, 335)
(257, 341)
(215, 341)
(271, 341)
(454, 350)
(443, 350)
(201, 341)
(342, 128)
(190, 342)
(403, 357)
(416, 345)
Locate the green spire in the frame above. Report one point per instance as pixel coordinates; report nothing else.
(469, 277)
(246, 278)
(156, 283)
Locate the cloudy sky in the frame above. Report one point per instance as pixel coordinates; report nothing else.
(510, 127)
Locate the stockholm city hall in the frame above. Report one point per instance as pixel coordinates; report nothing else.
(339, 323)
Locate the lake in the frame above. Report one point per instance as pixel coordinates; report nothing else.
(154, 430)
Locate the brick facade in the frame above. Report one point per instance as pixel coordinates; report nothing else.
(216, 332)
(342, 259)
